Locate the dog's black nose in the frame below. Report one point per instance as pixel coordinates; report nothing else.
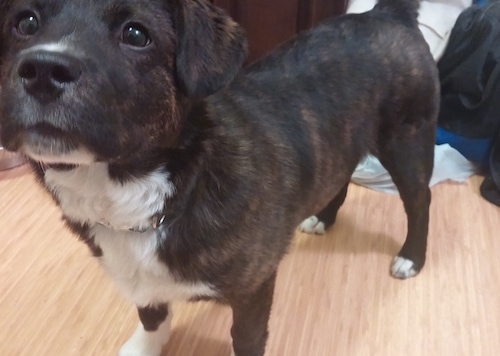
(45, 74)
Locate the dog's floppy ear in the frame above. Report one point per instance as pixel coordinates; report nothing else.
(211, 47)
(4, 7)
(4, 4)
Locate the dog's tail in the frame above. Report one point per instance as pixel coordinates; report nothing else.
(405, 11)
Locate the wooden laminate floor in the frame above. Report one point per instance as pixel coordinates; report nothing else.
(334, 295)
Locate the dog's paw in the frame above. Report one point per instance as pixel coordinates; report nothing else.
(403, 268)
(144, 343)
(312, 225)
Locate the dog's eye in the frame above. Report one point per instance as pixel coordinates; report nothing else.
(135, 35)
(28, 24)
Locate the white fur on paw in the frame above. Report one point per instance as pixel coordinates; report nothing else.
(403, 268)
(312, 225)
(144, 343)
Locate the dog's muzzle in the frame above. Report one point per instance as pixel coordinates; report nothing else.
(45, 75)
(44, 86)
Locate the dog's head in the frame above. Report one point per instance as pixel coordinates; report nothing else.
(103, 80)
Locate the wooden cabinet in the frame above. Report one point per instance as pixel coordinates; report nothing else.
(270, 22)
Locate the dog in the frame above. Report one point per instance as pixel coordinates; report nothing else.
(187, 175)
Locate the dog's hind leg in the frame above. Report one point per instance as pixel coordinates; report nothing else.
(408, 156)
(152, 332)
(319, 223)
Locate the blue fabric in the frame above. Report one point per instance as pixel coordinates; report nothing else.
(480, 2)
(474, 149)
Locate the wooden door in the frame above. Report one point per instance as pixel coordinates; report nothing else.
(270, 22)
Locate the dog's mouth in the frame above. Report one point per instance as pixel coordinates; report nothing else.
(50, 145)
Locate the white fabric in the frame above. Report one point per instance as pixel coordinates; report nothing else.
(449, 164)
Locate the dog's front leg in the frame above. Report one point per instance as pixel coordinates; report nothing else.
(250, 319)
(152, 332)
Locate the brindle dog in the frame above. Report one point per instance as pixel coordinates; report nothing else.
(186, 175)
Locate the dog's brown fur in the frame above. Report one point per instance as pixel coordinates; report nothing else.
(250, 154)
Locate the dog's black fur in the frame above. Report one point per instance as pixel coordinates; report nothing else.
(250, 153)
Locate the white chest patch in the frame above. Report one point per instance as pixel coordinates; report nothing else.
(87, 195)
(130, 258)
